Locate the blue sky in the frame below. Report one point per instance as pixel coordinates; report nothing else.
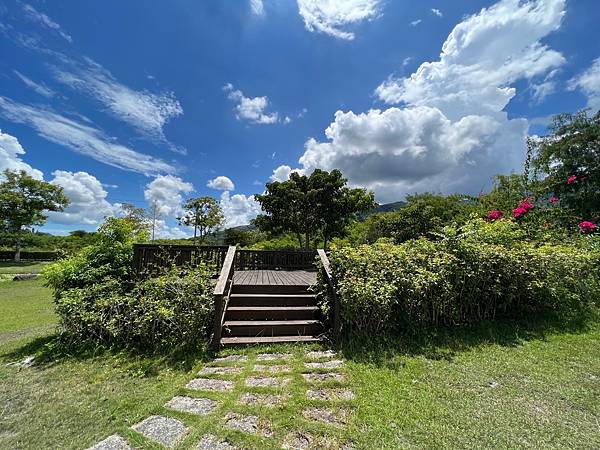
(152, 102)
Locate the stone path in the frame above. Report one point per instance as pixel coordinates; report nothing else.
(260, 382)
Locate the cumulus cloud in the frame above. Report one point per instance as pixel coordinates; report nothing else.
(89, 205)
(165, 192)
(251, 108)
(450, 132)
(40, 88)
(238, 209)
(257, 7)
(282, 173)
(81, 138)
(34, 15)
(10, 156)
(331, 16)
(221, 183)
(589, 83)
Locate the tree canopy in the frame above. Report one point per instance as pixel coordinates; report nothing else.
(202, 213)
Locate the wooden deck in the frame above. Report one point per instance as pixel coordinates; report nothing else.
(274, 277)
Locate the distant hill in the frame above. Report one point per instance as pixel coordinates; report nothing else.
(384, 208)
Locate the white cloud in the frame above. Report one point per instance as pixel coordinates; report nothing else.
(146, 111)
(10, 156)
(437, 12)
(451, 132)
(331, 16)
(251, 109)
(238, 209)
(81, 138)
(165, 191)
(89, 205)
(282, 173)
(257, 7)
(40, 88)
(44, 20)
(221, 183)
(414, 23)
(589, 83)
(162, 230)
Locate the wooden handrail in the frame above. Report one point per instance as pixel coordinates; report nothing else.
(221, 295)
(337, 322)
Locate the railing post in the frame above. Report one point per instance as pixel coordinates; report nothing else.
(337, 320)
(221, 295)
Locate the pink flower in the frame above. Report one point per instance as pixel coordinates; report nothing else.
(526, 205)
(518, 212)
(495, 215)
(572, 179)
(554, 199)
(587, 227)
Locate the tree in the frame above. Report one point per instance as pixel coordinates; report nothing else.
(23, 203)
(568, 161)
(137, 216)
(202, 213)
(243, 238)
(319, 205)
(154, 216)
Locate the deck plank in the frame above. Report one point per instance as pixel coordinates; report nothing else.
(274, 277)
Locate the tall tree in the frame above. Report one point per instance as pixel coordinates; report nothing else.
(154, 215)
(24, 201)
(310, 207)
(202, 213)
(136, 216)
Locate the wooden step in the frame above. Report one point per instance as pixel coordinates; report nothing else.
(272, 300)
(271, 312)
(267, 340)
(272, 327)
(269, 289)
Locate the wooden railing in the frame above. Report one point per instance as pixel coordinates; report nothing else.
(221, 294)
(336, 313)
(274, 260)
(149, 258)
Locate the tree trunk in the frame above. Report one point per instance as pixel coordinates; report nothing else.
(18, 247)
(195, 233)
(307, 237)
(300, 243)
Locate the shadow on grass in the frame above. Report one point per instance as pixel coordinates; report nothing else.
(57, 348)
(438, 343)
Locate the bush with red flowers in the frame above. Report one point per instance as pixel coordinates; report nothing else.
(495, 215)
(587, 227)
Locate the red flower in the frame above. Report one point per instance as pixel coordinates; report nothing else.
(554, 199)
(518, 212)
(526, 205)
(495, 215)
(587, 227)
(572, 179)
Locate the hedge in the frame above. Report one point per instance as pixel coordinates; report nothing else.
(9, 255)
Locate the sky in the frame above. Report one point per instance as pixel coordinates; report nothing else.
(153, 102)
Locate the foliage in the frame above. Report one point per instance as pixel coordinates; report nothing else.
(480, 272)
(568, 160)
(281, 242)
(38, 241)
(242, 238)
(310, 206)
(202, 213)
(24, 201)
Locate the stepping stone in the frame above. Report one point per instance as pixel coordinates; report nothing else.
(297, 441)
(326, 415)
(266, 381)
(323, 377)
(271, 369)
(114, 442)
(219, 370)
(321, 354)
(330, 394)
(211, 442)
(199, 406)
(273, 356)
(247, 424)
(267, 400)
(231, 358)
(210, 384)
(333, 364)
(164, 430)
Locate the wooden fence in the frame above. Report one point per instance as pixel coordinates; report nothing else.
(274, 260)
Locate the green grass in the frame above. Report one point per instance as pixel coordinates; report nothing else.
(530, 384)
(10, 268)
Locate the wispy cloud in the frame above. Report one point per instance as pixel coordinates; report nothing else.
(252, 109)
(257, 7)
(81, 138)
(437, 12)
(40, 88)
(34, 15)
(414, 23)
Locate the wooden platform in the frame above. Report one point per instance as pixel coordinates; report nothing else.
(274, 277)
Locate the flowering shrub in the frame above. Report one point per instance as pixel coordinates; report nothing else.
(587, 227)
(554, 200)
(495, 215)
(572, 179)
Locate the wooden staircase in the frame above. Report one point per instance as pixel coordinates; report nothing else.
(257, 314)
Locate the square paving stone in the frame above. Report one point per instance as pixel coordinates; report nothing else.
(267, 400)
(211, 442)
(210, 384)
(266, 381)
(219, 370)
(326, 415)
(247, 424)
(273, 356)
(272, 369)
(323, 377)
(164, 430)
(114, 442)
(321, 354)
(330, 394)
(333, 364)
(231, 358)
(199, 406)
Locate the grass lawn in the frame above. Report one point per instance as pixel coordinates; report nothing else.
(9, 267)
(531, 385)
